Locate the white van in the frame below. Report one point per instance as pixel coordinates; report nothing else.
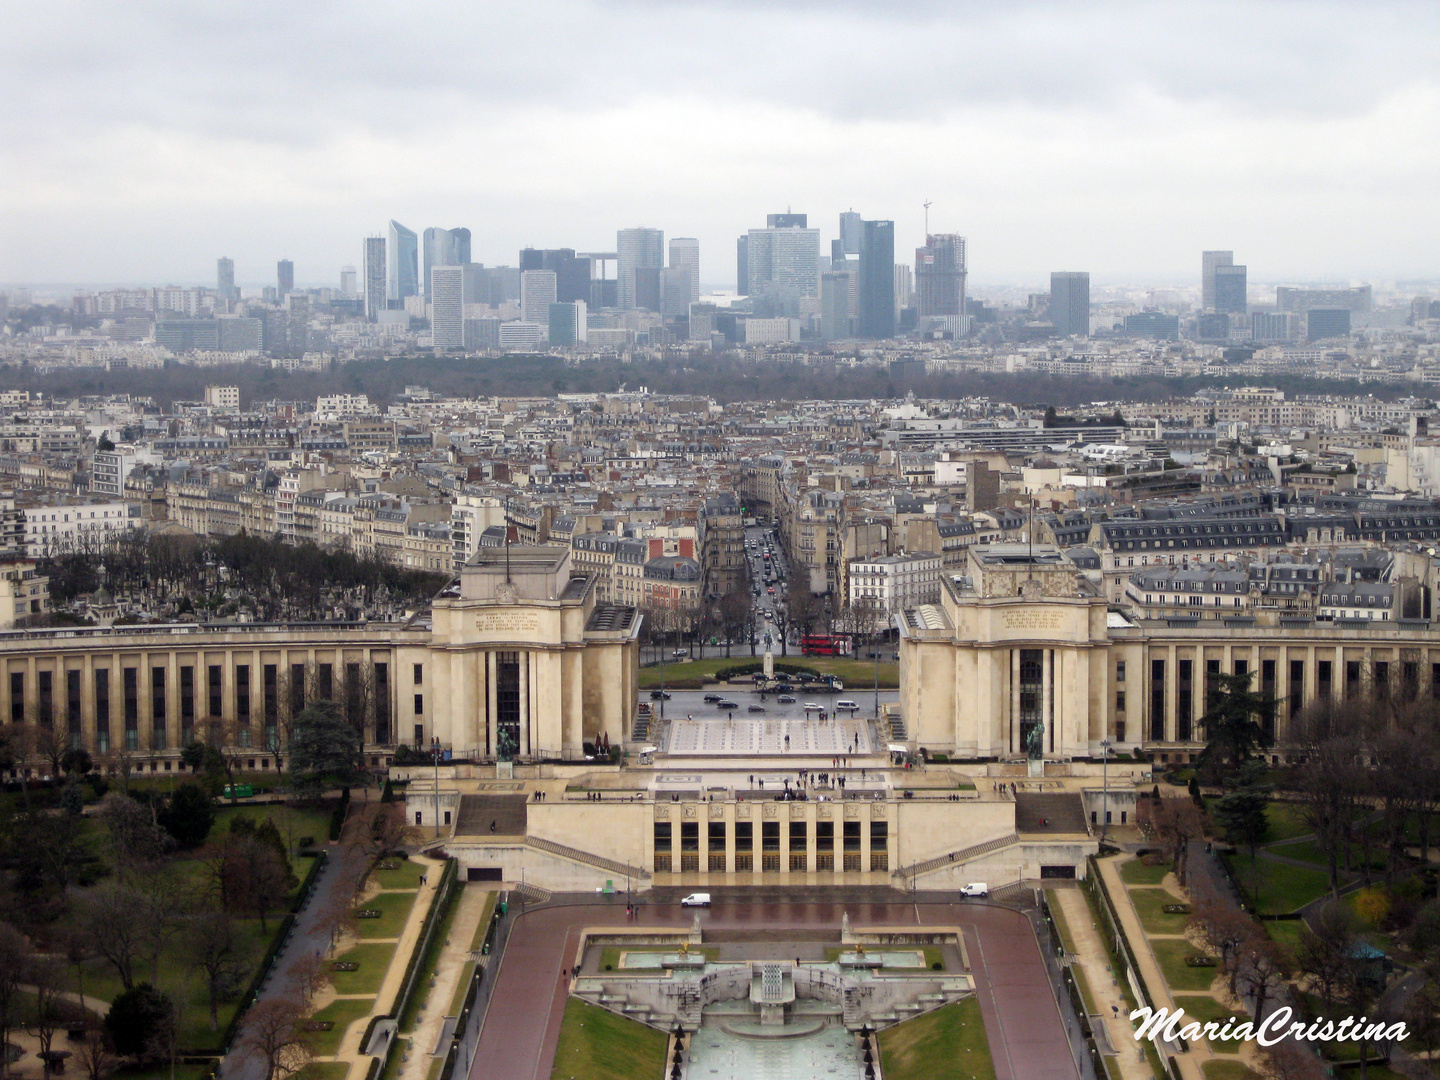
(846, 703)
(975, 888)
(696, 899)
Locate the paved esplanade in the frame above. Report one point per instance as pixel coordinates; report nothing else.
(826, 738)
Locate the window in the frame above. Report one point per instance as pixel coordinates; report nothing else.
(17, 697)
(242, 693)
(507, 704)
(130, 685)
(1157, 700)
(1119, 670)
(382, 703)
(419, 704)
(47, 698)
(1184, 699)
(297, 688)
(326, 682)
(187, 704)
(213, 681)
(102, 710)
(419, 674)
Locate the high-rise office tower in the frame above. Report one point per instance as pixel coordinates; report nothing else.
(1209, 262)
(904, 287)
(537, 293)
(850, 232)
(404, 276)
(877, 279)
(636, 249)
(572, 272)
(447, 306)
(225, 279)
(835, 289)
(742, 265)
(347, 282)
(940, 276)
(685, 255)
(1229, 285)
(782, 264)
(676, 291)
(1070, 303)
(445, 247)
(284, 278)
(786, 220)
(374, 263)
(567, 323)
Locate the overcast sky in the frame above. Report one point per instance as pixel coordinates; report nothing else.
(141, 140)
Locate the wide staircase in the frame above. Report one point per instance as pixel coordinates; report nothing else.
(963, 855)
(509, 814)
(1059, 813)
(576, 855)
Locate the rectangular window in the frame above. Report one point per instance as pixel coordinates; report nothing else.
(744, 836)
(1212, 681)
(297, 688)
(47, 699)
(1382, 680)
(1184, 699)
(325, 688)
(157, 696)
(824, 836)
(102, 710)
(242, 694)
(769, 836)
(354, 697)
(799, 836)
(1297, 686)
(382, 704)
(1119, 670)
(214, 675)
(1352, 678)
(1324, 679)
(419, 674)
(1409, 679)
(419, 735)
(879, 845)
(270, 702)
(1267, 688)
(187, 705)
(1032, 696)
(1120, 701)
(1242, 667)
(689, 836)
(72, 706)
(130, 680)
(662, 836)
(1157, 700)
(419, 704)
(507, 705)
(17, 697)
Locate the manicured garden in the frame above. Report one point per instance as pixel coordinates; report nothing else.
(599, 1045)
(947, 1044)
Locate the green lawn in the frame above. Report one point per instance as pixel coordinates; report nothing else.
(1230, 1070)
(1150, 905)
(1309, 851)
(406, 875)
(947, 1044)
(323, 1070)
(596, 1044)
(344, 1013)
(1282, 888)
(1286, 934)
(394, 908)
(1087, 996)
(1200, 1008)
(1136, 872)
(855, 674)
(1171, 953)
(610, 955)
(373, 961)
(1067, 938)
(294, 823)
(1287, 820)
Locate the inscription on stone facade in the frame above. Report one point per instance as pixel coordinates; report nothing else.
(507, 622)
(1033, 619)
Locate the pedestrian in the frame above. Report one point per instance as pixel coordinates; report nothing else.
(492, 826)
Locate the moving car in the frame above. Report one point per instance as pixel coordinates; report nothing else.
(659, 695)
(712, 697)
(813, 706)
(727, 704)
(696, 899)
(756, 708)
(975, 888)
(786, 699)
(846, 703)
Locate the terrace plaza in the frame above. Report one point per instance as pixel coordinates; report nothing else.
(1023, 680)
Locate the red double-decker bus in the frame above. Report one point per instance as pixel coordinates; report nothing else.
(825, 645)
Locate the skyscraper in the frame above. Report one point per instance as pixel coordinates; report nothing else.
(850, 232)
(940, 276)
(786, 220)
(347, 282)
(1070, 303)
(447, 306)
(1209, 261)
(636, 249)
(835, 290)
(1229, 286)
(904, 287)
(284, 278)
(685, 255)
(445, 247)
(404, 276)
(572, 272)
(877, 279)
(374, 263)
(567, 324)
(742, 265)
(225, 279)
(537, 293)
(782, 264)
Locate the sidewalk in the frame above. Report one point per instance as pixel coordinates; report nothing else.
(1094, 961)
(450, 967)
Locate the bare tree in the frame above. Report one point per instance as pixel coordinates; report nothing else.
(1290, 1060)
(95, 1054)
(1177, 821)
(214, 948)
(1326, 952)
(14, 959)
(48, 984)
(1222, 927)
(137, 842)
(338, 919)
(382, 828)
(117, 922)
(1262, 970)
(310, 975)
(274, 1035)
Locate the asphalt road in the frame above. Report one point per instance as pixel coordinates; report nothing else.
(692, 703)
(1023, 1022)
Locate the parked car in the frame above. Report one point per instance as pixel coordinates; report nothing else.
(814, 706)
(659, 695)
(696, 899)
(786, 699)
(712, 697)
(756, 708)
(975, 888)
(727, 704)
(846, 703)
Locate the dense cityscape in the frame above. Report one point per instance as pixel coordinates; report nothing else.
(825, 568)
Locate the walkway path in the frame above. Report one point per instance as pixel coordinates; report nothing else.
(451, 966)
(1094, 960)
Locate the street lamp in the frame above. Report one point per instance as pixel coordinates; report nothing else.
(1104, 788)
(435, 751)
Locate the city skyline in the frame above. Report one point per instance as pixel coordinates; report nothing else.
(1113, 137)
